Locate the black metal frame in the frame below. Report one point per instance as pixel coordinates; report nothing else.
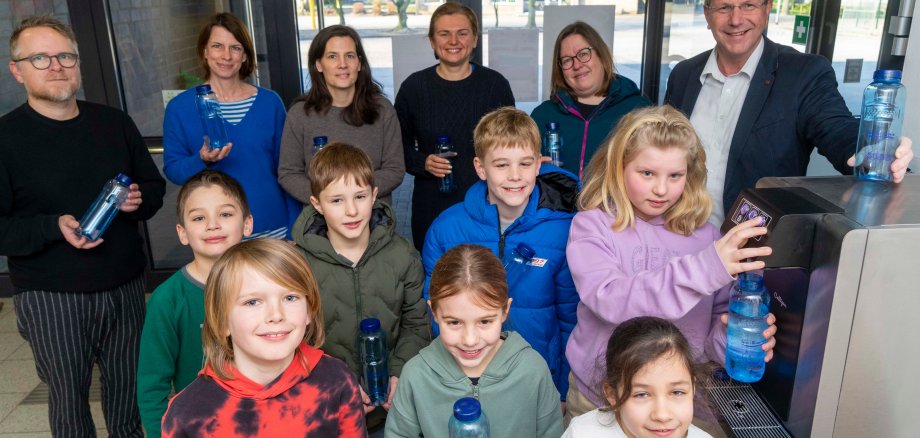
(652, 49)
(823, 24)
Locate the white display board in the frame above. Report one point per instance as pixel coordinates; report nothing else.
(411, 53)
(601, 18)
(911, 80)
(515, 54)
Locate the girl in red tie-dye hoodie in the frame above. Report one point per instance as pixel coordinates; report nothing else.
(264, 375)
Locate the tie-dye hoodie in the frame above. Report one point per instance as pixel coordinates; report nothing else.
(320, 401)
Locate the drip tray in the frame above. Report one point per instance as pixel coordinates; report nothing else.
(743, 411)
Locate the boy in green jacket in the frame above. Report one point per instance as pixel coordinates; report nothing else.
(212, 215)
(363, 268)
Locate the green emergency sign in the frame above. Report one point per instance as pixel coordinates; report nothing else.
(800, 29)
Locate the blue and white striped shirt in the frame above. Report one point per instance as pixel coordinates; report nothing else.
(234, 112)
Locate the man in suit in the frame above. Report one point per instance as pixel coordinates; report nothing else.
(760, 108)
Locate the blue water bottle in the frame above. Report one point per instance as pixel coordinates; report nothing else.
(748, 307)
(468, 420)
(518, 262)
(212, 121)
(95, 221)
(372, 348)
(552, 144)
(319, 142)
(880, 127)
(445, 150)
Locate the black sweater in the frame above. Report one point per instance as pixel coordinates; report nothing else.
(49, 168)
(429, 106)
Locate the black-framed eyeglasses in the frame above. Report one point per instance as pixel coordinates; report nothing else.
(42, 61)
(583, 56)
(745, 8)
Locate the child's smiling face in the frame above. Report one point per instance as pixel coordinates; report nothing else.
(469, 331)
(661, 401)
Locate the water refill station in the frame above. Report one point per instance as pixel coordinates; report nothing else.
(844, 280)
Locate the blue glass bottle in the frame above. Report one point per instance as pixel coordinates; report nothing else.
(319, 142)
(445, 150)
(212, 120)
(880, 125)
(372, 349)
(518, 263)
(748, 307)
(552, 144)
(100, 214)
(468, 420)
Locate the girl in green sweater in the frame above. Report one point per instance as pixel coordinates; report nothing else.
(473, 357)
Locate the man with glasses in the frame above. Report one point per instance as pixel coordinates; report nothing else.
(78, 302)
(760, 108)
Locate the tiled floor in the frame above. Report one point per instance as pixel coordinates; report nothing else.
(17, 379)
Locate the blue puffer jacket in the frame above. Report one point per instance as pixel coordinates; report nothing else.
(543, 310)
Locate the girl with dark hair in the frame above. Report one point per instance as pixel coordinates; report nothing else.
(588, 97)
(345, 105)
(254, 117)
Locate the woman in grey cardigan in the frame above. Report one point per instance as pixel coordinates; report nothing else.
(344, 104)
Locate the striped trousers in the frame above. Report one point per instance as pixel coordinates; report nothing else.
(68, 333)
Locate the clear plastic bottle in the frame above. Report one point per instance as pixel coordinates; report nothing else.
(372, 349)
(880, 126)
(445, 150)
(748, 307)
(552, 143)
(212, 120)
(517, 262)
(95, 221)
(468, 420)
(319, 142)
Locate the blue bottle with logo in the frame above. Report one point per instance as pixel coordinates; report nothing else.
(372, 348)
(880, 125)
(748, 307)
(445, 150)
(468, 420)
(518, 262)
(319, 142)
(552, 144)
(100, 214)
(212, 120)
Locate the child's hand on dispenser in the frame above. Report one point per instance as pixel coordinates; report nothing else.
(731, 247)
(768, 334)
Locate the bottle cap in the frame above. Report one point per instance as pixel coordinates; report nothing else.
(443, 139)
(321, 139)
(750, 282)
(552, 126)
(203, 89)
(467, 409)
(887, 75)
(123, 179)
(525, 251)
(370, 325)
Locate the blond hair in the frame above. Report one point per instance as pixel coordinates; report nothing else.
(503, 128)
(278, 262)
(339, 160)
(660, 127)
(41, 21)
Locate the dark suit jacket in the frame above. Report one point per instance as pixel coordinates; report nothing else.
(791, 107)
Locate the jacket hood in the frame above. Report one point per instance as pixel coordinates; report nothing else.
(621, 88)
(554, 196)
(449, 372)
(242, 386)
(310, 232)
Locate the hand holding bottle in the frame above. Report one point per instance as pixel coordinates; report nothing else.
(209, 155)
(438, 166)
(68, 225)
(768, 334)
(133, 201)
(902, 158)
(731, 247)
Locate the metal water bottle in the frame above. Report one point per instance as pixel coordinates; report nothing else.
(372, 348)
(95, 221)
(445, 150)
(319, 142)
(748, 307)
(212, 120)
(552, 144)
(468, 420)
(880, 125)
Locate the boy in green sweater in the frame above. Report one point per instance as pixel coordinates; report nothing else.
(213, 215)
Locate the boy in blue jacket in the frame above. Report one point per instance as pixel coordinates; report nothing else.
(518, 200)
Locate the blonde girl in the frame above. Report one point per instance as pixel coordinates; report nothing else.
(641, 246)
(264, 373)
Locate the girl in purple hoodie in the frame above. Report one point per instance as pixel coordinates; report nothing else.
(641, 246)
